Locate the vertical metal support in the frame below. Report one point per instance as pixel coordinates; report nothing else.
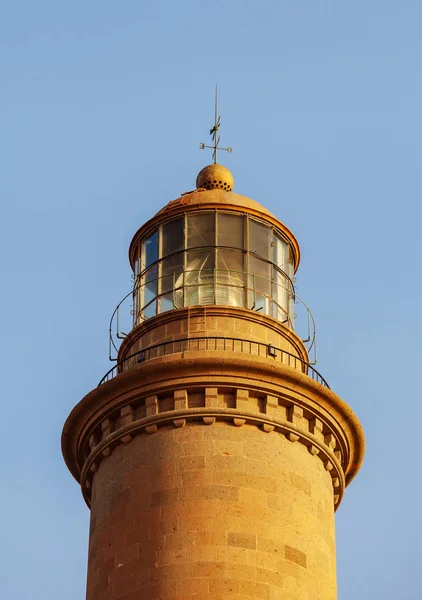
(314, 346)
(309, 325)
(217, 139)
(159, 285)
(254, 290)
(110, 338)
(174, 291)
(188, 324)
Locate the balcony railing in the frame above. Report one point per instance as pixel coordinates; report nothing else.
(219, 344)
(211, 287)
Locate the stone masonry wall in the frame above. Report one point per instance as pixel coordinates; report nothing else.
(212, 512)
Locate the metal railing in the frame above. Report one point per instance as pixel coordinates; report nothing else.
(227, 288)
(215, 344)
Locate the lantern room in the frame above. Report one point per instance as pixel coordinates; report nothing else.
(214, 247)
(218, 257)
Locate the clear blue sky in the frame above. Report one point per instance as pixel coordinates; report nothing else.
(102, 108)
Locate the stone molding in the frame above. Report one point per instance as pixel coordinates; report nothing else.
(273, 397)
(320, 448)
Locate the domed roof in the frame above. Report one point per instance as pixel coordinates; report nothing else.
(214, 185)
(203, 198)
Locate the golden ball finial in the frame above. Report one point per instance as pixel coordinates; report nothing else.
(215, 176)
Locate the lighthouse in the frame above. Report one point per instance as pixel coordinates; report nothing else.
(213, 455)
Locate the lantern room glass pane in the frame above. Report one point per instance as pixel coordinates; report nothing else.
(150, 310)
(199, 294)
(291, 269)
(260, 238)
(230, 230)
(149, 285)
(172, 237)
(201, 230)
(259, 276)
(229, 295)
(258, 302)
(281, 254)
(199, 266)
(281, 294)
(230, 266)
(259, 284)
(150, 250)
(171, 272)
(230, 277)
(165, 303)
(199, 277)
(138, 263)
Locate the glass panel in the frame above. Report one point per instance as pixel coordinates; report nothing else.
(201, 230)
(150, 250)
(172, 272)
(199, 294)
(230, 272)
(178, 298)
(260, 239)
(258, 302)
(172, 237)
(149, 285)
(150, 310)
(137, 301)
(137, 269)
(230, 230)
(229, 295)
(281, 294)
(165, 304)
(199, 266)
(259, 278)
(290, 270)
(199, 277)
(281, 254)
(230, 267)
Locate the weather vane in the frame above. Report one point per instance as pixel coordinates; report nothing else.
(214, 133)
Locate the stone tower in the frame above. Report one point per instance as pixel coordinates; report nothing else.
(213, 456)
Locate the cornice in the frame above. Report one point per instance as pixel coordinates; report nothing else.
(295, 406)
(205, 416)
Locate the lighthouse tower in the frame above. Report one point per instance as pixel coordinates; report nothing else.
(213, 456)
